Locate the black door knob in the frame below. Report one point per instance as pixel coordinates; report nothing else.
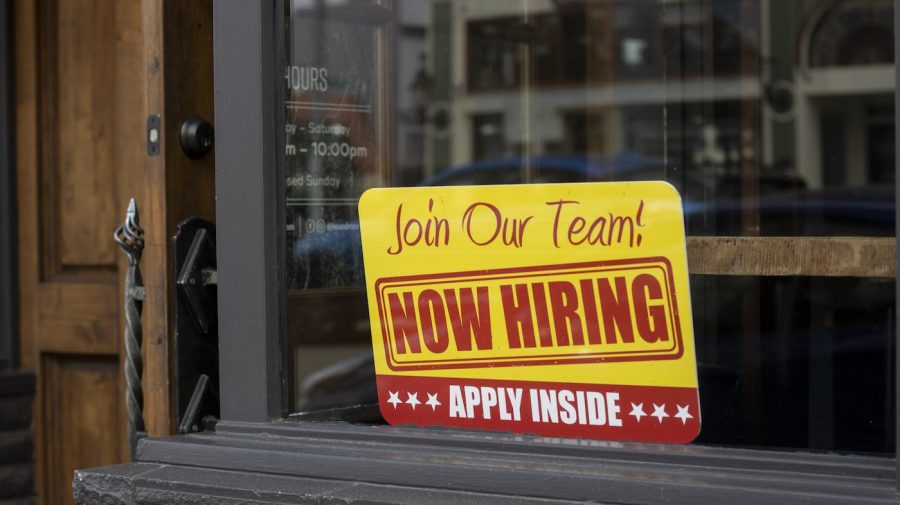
(197, 137)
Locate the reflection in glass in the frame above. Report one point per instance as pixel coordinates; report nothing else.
(771, 118)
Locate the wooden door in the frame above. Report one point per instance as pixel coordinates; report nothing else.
(88, 74)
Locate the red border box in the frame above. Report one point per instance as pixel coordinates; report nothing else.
(512, 273)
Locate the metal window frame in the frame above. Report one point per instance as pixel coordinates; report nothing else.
(247, 211)
(251, 441)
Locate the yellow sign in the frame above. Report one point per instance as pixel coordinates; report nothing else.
(533, 308)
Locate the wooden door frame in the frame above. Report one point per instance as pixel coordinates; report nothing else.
(31, 58)
(179, 84)
(175, 81)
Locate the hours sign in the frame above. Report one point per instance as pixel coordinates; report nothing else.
(551, 309)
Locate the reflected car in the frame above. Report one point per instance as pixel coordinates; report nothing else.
(847, 211)
(334, 258)
(628, 166)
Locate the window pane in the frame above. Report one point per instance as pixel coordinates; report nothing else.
(771, 118)
(799, 362)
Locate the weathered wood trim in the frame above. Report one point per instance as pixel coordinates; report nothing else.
(793, 256)
(25, 47)
(179, 83)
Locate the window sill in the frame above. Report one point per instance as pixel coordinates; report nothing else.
(301, 461)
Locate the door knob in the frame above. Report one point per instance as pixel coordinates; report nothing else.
(197, 137)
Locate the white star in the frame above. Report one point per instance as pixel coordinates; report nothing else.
(659, 412)
(637, 410)
(433, 401)
(683, 413)
(412, 399)
(394, 399)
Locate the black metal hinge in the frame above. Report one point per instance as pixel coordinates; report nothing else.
(196, 329)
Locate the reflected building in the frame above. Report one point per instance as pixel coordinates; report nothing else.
(790, 91)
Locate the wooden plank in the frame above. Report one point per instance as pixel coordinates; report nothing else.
(80, 397)
(79, 318)
(788, 256)
(177, 187)
(127, 93)
(79, 145)
(25, 63)
(90, 133)
(83, 84)
(156, 316)
(26, 176)
(81, 301)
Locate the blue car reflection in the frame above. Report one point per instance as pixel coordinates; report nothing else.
(332, 258)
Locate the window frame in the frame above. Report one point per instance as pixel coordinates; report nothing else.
(250, 199)
(249, 196)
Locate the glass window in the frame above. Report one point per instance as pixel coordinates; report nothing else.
(775, 120)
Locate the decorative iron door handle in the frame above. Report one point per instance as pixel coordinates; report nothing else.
(130, 238)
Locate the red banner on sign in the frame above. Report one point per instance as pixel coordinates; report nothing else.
(637, 413)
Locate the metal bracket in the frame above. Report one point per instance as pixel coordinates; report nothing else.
(188, 422)
(196, 331)
(197, 278)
